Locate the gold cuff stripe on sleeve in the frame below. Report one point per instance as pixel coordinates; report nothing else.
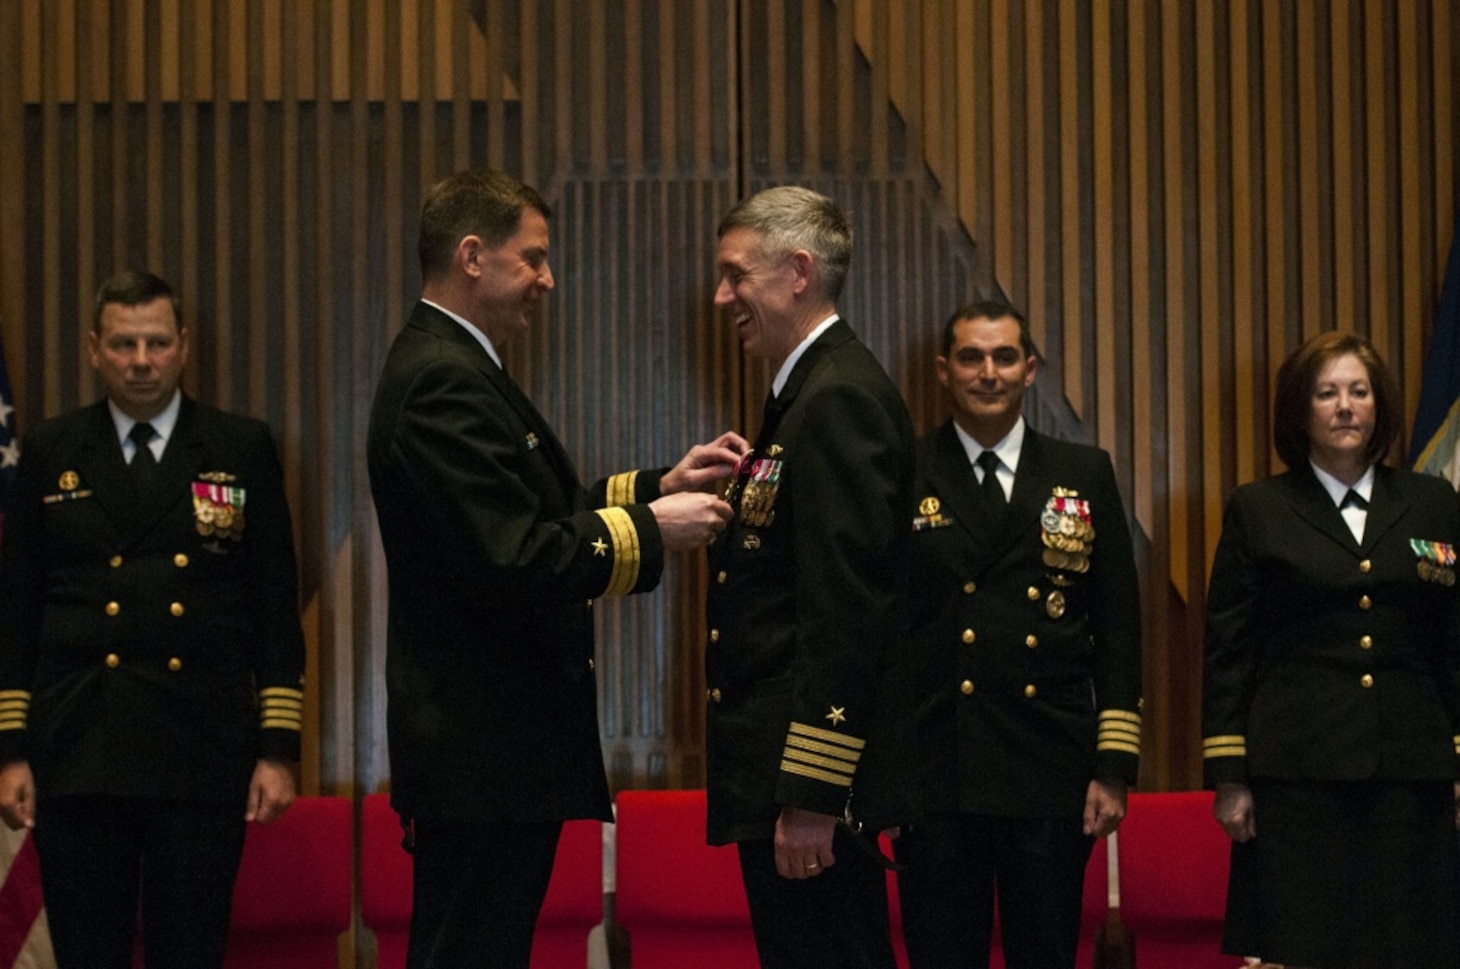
(1457, 743)
(7, 705)
(286, 692)
(278, 723)
(830, 764)
(832, 760)
(621, 488)
(1118, 746)
(1237, 750)
(830, 736)
(816, 747)
(15, 695)
(15, 721)
(626, 552)
(1229, 740)
(817, 775)
(1119, 731)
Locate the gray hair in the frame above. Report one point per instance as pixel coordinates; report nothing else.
(789, 218)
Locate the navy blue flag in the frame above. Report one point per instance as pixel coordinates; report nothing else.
(1435, 446)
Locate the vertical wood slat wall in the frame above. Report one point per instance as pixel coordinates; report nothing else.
(1176, 192)
(1182, 193)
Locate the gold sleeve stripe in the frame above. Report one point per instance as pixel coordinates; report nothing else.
(833, 764)
(284, 702)
(817, 775)
(621, 488)
(1457, 743)
(14, 709)
(831, 750)
(1119, 731)
(281, 708)
(626, 551)
(822, 755)
(1236, 750)
(1120, 746)
(830, 736)
(1230, 740)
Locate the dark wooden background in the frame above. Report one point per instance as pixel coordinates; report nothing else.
(1178, 193)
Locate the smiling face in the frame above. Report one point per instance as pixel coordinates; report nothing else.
(759, 294)
(507, 282)
(139, 352)
(986, 373)
(1341, 418)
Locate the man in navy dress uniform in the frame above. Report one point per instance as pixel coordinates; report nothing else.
(1027, 635)
(151, 658)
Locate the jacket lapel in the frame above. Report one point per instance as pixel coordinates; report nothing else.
(1386, 508)
(953, 480)
(1313, 504)
(443, 327)
(105, 471)
(1032, 484)
(776, 407)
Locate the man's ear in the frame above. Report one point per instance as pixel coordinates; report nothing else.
(804, 267)
(468, 255)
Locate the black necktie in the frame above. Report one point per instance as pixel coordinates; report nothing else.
(770, 422)
(1354, 500)
(993, 492)
(144, 464)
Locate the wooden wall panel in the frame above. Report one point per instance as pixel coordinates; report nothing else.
(1177, 194)
(1220, 180)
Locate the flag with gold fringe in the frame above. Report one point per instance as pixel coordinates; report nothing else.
(1435, 446)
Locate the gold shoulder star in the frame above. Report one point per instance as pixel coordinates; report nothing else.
(837, 715)
(600, 547)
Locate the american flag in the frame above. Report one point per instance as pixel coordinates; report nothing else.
(24, 940)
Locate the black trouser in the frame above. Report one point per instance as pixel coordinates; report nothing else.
(99, 855)
(477, 892)
(957, 863)
(838, 918)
